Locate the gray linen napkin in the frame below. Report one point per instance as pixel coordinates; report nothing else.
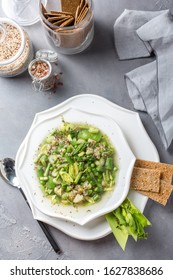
(127, 42)
(151, 86)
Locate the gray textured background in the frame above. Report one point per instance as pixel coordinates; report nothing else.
(96, 71)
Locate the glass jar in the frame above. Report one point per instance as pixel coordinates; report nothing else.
(16, 50)
(72, 32)
(44, 70)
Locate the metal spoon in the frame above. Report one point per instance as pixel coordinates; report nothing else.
(7, 172)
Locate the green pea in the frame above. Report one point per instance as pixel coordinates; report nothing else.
(42, 182)
(97, 173)
(83, 178)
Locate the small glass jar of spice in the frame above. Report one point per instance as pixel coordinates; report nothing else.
(44, 70)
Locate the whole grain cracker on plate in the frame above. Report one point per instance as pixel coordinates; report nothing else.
(70, 6)
(144, 179)
(164, 194)
(166, 169)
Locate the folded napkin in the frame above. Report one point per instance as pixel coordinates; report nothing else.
(139, 34)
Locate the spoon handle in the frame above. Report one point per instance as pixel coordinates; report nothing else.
(52, 241)
(45, 229)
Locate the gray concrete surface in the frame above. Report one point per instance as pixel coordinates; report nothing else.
(95, 71)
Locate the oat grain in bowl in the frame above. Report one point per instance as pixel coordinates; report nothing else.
(76, 165)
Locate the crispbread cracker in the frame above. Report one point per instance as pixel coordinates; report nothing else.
(164, 194)
(80, 10)
(43, 9)
(82, 7)
(82, 3)
(57, 18)
(67, 22)
(77, 12)
(60, 21)
(166, 169)
(82, 15)
(145, 180)
(59, 13)
(70, 5)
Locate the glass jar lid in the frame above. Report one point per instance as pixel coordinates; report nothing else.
(12, 41)
(48, 55)
(24, 12)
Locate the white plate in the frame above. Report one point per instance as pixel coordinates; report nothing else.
(137, 138)
(110, 201)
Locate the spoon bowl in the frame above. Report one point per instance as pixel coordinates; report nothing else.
(7, 170)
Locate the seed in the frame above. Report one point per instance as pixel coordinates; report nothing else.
(41, 69)
(12, 42)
